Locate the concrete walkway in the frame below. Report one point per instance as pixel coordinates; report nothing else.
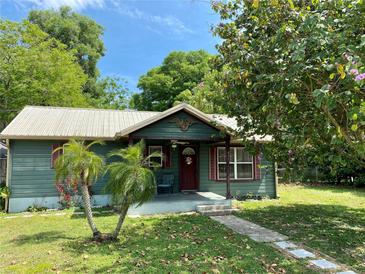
(279, 241)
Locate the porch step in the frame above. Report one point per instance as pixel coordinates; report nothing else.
(215, 210)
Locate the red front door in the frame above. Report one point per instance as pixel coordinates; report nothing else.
(188, 168)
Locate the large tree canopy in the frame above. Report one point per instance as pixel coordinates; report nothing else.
(295, 70)
(36, 69)
(161, 85)
(206, 96)
(80, 34)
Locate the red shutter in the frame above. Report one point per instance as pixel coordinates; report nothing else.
(166, 150)
(56, 154)
(257, 163)
(213, 163)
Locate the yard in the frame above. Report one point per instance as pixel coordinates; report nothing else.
(174, 243)
(329, 219)
(325, 218)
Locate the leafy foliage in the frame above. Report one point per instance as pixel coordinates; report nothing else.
(130, 178)
(206, 96)
(161, 85)
(35, 69)
(295, 70)
(113, 94)
(80, 34)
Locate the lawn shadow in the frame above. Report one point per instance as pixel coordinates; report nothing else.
(81, 215)
(337, 230)
(39, 238)
(165, 244)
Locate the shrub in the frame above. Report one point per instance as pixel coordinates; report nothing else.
(36, 208)
(68, 193)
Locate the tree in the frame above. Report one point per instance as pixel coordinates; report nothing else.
(206, 96)
(295, 70)
(161, 85)
(81, 167)
(113, 94)
(80, 34)
(131, 181)
(36, 69)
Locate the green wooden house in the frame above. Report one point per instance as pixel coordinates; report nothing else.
(193, 147)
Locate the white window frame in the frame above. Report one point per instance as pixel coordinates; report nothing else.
(149, 153)
(235, 163)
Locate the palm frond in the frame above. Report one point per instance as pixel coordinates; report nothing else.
(129, 178)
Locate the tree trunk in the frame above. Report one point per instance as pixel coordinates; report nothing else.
(88, 212)
(122, 213)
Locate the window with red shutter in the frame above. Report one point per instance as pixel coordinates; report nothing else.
(213, 163)
(55, 154)
(257, 166)
(166, 156)
(156, 160)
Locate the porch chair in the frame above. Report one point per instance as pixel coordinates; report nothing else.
(167, 181)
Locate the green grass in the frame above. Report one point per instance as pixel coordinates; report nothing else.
(329, 219)
(160, 244)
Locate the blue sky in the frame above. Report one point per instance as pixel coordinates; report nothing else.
(138, 33)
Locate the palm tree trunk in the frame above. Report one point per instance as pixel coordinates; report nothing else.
(122, 213)
(88, 212)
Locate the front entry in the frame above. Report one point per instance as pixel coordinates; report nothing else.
(188, 168)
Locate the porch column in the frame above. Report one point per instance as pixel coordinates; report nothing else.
(130, 140)
(228, 170)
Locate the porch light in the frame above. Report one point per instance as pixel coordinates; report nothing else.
(174, 145)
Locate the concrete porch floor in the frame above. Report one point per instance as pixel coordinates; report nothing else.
(178, 202)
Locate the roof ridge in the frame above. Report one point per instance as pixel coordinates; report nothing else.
(93, 109)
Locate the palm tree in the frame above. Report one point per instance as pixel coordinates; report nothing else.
(130, 180)
(82, 167)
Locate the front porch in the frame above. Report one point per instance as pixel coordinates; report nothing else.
(179, 202)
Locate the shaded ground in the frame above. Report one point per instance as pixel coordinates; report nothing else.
(176, 244)
(329, 219)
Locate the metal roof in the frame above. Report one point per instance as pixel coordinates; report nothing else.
(57, 123)
(35, 122)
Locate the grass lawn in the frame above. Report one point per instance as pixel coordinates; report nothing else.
(160, 244)
(330, 219)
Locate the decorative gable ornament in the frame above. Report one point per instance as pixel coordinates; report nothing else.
(183, 124)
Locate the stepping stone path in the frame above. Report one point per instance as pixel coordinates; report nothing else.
(261, 234)
(286, 245)
(324, 264)
(302, 253)
(254, 231)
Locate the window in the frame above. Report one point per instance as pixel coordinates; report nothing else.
(240, 163)
(153, 161)
(56, 154)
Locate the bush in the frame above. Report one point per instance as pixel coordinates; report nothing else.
(36, 208)
(68, 193)
(250, 196)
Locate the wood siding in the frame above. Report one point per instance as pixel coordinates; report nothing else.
(168, 129)
(31, 174)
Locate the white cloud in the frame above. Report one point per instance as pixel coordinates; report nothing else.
(169, 22)
(75, 4)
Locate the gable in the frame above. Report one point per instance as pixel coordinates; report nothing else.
(180, 126)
